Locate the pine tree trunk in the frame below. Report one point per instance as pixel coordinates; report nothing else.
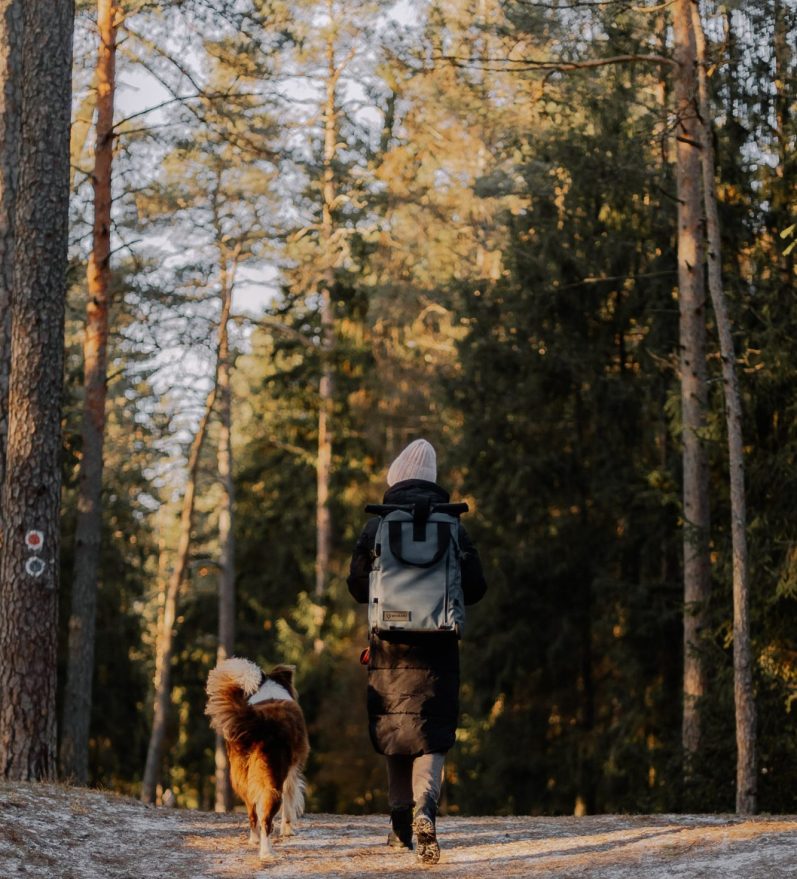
(10, 75)
(224, 798)
(742, 655)
(697, 572)
(782, 195)
(586, 803)
(783, 93)
(164, 647)
(661, 89)
(31, 493)
(80, 661)
(326, 384)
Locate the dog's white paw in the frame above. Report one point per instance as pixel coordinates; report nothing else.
(266, 851)
(254, 839)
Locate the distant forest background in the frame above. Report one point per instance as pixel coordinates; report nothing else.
(346, 225)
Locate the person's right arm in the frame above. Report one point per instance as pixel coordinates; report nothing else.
(473, 583)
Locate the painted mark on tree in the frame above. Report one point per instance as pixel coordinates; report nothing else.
(35, 566)
(34, 540)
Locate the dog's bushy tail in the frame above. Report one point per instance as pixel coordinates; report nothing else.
(230, 685)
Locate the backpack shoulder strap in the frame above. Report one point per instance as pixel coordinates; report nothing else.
(443, 537)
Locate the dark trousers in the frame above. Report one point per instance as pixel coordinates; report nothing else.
(414, 780)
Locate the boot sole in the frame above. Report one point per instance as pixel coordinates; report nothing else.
(428, 847)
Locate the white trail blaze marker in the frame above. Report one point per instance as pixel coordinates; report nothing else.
(34, 540)
(35, 566)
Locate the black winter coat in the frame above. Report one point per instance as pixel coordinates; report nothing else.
(413, 677)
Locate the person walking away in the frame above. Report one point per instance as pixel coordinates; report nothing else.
(413, 677)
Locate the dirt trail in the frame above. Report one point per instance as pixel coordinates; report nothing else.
(57, 832)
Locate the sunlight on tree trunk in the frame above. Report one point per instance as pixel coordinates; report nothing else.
(165, 641)
(326, 384)
(10, 27)
(226, 574)
(694, 394)
(746, 781)
(80, 660)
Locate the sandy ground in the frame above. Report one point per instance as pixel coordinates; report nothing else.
(57, 832)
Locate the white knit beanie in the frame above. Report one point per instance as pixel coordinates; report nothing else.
(417, 461)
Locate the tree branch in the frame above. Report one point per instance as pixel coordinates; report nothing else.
(523, 64)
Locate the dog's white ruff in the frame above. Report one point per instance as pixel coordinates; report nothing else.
(270, 690)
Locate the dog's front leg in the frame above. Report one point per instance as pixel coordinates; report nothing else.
(266, 851)
(254, 838)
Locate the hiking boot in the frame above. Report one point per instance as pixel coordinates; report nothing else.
(423, 825)
(401, 834)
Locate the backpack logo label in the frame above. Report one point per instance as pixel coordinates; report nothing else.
(396, 616)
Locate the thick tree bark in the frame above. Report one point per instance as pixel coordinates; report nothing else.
(746, 783)
(224, 797)
(31, 493)
(80, 661)
(326, 384)
(691, 265)
(10, 76)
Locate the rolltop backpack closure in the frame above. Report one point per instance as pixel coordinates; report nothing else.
(415, 583)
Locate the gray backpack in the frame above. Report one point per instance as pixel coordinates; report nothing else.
(416, 582)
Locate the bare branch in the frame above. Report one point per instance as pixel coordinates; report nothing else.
(523, 64)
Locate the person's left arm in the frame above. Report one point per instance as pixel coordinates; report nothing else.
(362, 561)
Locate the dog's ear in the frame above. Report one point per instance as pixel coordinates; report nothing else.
(283, 675)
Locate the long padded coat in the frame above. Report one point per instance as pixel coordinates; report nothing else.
(413, 677)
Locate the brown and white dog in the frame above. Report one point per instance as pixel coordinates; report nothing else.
(261, 721)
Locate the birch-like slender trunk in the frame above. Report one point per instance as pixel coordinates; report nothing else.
(661, 88)
(783, 94)
(746, 783)
(782, 194)
(30, 514)
(165, 641)
(326, 384)
(164, 647)
(694, 397)
(74, 754)
(10, 76)
(226, 576)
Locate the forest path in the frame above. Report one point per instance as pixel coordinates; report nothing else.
(58, 832)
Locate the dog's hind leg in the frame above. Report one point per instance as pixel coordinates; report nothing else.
(293, 800)
(267, 807)
(266, 851)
